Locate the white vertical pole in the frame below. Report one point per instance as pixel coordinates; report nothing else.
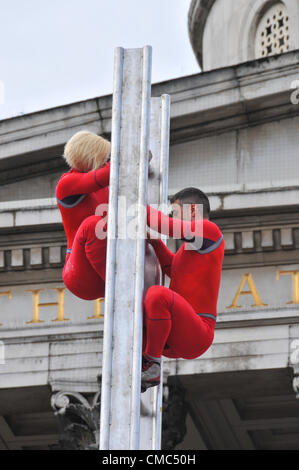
(121, 370)
(141, 221)
(111, 251)
(164, 165)
(151, 422)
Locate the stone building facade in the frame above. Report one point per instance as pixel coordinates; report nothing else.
(234, 134)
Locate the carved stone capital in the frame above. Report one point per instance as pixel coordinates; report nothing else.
(78, 418)
(296, 385)
(174, 416)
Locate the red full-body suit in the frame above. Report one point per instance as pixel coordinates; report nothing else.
(79, 197)
(179, 321)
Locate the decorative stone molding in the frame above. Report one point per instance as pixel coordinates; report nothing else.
(259, 240)
(78, 420)
(274, 239)
(294, 362)
(237, 241)
(174, 416)
(296, 385)
(32, 257)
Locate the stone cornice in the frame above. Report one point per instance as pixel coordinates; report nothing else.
(35, 134)
(246, 207)
(201, 104)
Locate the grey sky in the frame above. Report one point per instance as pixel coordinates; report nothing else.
(60, 51)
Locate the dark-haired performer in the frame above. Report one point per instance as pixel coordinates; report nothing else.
(180, 320)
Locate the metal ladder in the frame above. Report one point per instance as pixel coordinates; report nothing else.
(139, 123)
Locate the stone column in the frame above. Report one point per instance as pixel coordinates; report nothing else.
(78, 419)
(296, 381)
(174, 416)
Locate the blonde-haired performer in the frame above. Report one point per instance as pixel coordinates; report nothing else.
(82, 197)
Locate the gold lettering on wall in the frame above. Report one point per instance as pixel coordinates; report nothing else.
(36, 304)
(253, 291)
(295, 284)
(60, 304)
(8, 294)
(97, 309)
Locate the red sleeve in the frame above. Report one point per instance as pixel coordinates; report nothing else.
(182, 229)
(165, 256)
(83, 183)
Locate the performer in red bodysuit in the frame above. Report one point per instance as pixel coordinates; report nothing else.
(80, 192)
(179, 321)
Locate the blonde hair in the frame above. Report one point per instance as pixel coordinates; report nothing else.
(86, 151)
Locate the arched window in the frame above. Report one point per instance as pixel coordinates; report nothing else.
(273, 35)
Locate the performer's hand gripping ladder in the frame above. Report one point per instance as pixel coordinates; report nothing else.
(122, 345)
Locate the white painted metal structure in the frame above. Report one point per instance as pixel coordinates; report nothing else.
(122, 345)
(151, 420)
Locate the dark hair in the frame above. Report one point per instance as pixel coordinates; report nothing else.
(193, 196)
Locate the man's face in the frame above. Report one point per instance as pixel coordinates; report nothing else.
(181, 211)
(187, 211)
(177, 210)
